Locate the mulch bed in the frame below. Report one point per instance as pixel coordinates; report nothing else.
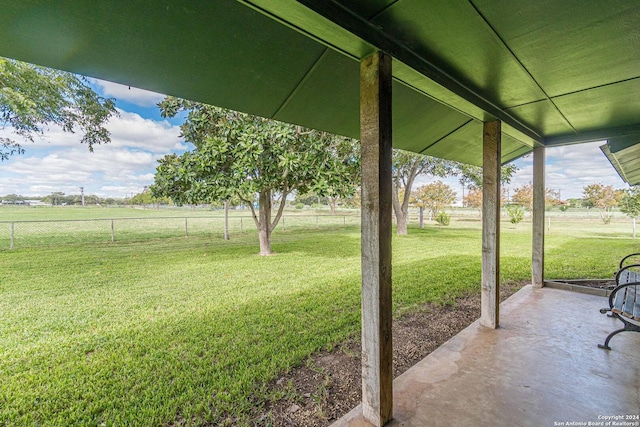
(328, 384)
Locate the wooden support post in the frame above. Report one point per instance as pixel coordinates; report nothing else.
(490, 296)
(537, 252)
(375, 138)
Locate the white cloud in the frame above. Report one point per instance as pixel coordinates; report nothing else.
(124, 166)
(570, 168)
(131, 130)
(140, 97)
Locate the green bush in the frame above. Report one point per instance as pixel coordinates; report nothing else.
(516, 213)
(443, 218)
(299, 205)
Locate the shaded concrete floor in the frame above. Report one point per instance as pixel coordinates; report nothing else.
(542, 367)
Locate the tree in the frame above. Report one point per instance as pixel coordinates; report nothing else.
(471, 176)
(406, 168)
(515, 212)
(335, 187)
(237, 154)
(524, 197)
(602, 197)
(33, 97)
(12, 198)
(473, 199)
(55, 198)
(146, 198)
(310, 199)
(630, 202)
(574, 203)
(434, 197)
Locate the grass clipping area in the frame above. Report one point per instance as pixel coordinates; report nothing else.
(191, 331)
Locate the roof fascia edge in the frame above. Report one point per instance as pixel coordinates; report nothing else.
(614, 162)
(376, 37)
(592, 136)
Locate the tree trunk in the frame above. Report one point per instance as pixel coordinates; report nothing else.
(332, 203)
(264, 223)
(402, 224)
(401, 218)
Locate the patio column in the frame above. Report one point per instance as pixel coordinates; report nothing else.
(375, 140)
(539, 195)
(490, 296)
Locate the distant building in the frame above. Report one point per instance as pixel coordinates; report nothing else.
(36, 203)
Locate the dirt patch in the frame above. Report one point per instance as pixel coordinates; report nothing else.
(590, 283)
(328, 385)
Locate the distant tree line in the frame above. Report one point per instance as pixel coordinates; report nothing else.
(62, 199)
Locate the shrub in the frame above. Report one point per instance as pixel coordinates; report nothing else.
(516, 213)
(443, 218)
(299, 205)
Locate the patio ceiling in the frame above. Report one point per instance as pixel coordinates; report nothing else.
(555, 72)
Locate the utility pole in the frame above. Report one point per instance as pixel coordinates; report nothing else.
(82, 195)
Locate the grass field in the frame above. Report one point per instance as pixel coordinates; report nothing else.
(23, 226)
(190, 331)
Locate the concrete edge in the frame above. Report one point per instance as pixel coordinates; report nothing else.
(553, 284)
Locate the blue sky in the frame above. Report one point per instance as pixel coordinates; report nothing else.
(58, 162)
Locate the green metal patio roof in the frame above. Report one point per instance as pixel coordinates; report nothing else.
(555, 72)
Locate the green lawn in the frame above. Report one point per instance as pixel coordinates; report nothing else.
(180, 331)
(23, 226)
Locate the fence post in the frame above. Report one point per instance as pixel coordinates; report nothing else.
(634, 231)
(344, 220)
(11, 246)
(186, 227)
(226, 220)
(317, 225)
(113, 234)
(283, 228)
(241, 231)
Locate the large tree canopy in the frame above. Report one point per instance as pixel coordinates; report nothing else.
(33, 97)
(237, 154)
(470, 176)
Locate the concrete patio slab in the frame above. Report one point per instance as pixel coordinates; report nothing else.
(542, 367)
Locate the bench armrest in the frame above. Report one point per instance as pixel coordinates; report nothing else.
(627, 257)
(622, 270)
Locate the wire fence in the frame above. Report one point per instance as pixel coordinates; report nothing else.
(33, 233)
(23, 234)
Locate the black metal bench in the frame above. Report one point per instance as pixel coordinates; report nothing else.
(628, 273)
(624, 301)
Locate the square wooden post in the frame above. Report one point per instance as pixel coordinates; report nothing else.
(491, 157)
(375, 139)
(539, 196)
